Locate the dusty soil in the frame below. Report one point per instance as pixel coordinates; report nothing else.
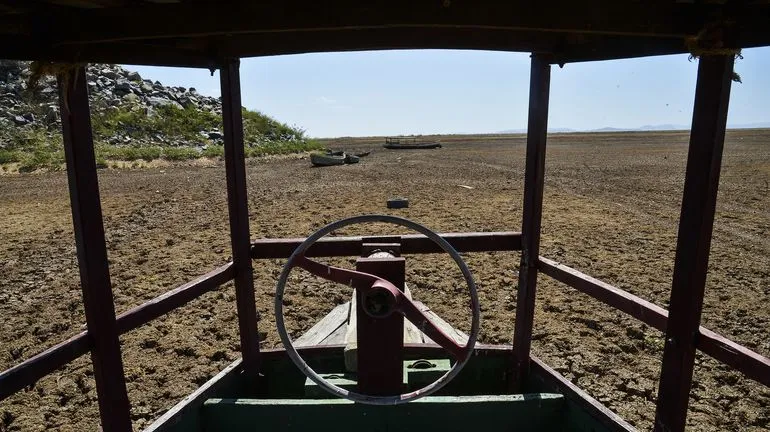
(611, 210)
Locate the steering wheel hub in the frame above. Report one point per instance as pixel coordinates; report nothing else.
(379, 301)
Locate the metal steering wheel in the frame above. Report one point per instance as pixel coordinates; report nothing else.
(370, 285)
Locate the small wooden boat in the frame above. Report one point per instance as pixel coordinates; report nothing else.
(474, 386)
(319, 159)
(409, 143)
(351, 159)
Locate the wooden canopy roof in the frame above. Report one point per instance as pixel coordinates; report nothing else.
(200, 33)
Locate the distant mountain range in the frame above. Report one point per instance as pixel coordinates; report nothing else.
(660, 127)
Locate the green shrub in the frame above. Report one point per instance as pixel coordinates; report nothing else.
(214, 151)
(185, 123)
(10, 156)
(27, 139)
(36, 147)
(286, 147)
(150, 153)
(39, 158)
(180, 153)
(257, 125)
(166, 120)
(129, 153)
(101, 163)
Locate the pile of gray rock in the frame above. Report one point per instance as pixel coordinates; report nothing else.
(108, 85)
(117, 86)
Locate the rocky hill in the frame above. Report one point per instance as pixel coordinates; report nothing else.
(133, 119)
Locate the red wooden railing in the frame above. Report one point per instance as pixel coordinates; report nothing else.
(746, 361)
(34, 368)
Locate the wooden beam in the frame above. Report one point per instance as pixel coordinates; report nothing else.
(712, 95)
(173, 34)
(174, 299)
(237, 204)
(410, 244)
(386, 38)
(537, 130)
(34, 368)
(95, 282)
(650, 20)
(205, 52)
(647, 312)
(658, 18)
(89, 4)
(593, 407)
(40, 365)
(185, 415)
(744, 360)
(22, 6)
(379, 341)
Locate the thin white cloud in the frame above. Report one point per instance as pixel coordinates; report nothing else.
(326, 100)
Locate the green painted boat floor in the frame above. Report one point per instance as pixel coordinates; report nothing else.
(528, 412)
(281, 399)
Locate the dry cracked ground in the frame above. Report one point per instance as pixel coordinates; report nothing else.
(611, 208)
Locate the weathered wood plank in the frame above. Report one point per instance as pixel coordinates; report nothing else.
(575, 394)
(114, 407)
(701, 182)
(174, 299)
(750, 363)
(34, 368)
(238, 211)
(351, 338)
(185, 415)
(411, 333)
(523, 413)
(380, 341)
(459, 336)
(337, 337)
(643, 310)
(534, 174)
(410, 244)
(328, 325)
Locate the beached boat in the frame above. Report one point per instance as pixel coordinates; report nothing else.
(319, 159)
(409, 143)
(357, 367)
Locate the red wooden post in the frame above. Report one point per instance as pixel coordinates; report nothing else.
(537, 129)
(237, 203)
(114, 407)
(712, 95)
(380, 341)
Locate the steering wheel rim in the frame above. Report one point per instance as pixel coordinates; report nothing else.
(360, 397)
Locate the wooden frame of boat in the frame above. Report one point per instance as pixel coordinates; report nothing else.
(333, 158)
(503, 387)
(319, 159)
(409, 143)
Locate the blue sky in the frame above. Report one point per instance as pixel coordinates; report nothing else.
(436, 91)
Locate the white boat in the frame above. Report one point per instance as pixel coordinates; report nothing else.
(319, 159)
